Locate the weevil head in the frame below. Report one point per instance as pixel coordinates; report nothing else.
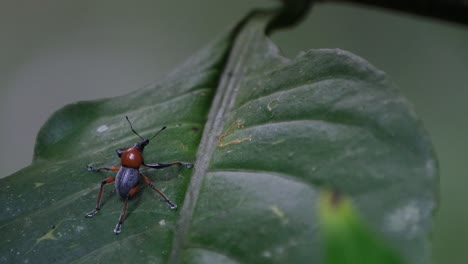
(144, 141)
(142, 144)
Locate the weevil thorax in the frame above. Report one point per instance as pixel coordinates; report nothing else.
(133, 157)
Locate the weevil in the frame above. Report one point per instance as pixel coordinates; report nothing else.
(129, 178)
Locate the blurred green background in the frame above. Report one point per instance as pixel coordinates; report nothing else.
(55, 52)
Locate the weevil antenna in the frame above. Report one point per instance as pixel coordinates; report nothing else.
(131, 127)
(157, 133)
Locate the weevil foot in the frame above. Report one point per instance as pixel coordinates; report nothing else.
(118, 228)
(187, 165)
(92, 168)
(171, 204)
(92, 213)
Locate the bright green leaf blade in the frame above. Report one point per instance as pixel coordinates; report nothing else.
(346, 238)
(287, 129)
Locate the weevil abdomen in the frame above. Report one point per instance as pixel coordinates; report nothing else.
(126, 179)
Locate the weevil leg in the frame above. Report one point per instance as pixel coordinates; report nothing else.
(98, 203)
(97, 169)
(118, 226)
(165, 165)
(169, 202)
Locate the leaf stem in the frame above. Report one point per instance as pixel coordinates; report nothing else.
(455, 11)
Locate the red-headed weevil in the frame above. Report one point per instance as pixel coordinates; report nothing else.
(129, 178)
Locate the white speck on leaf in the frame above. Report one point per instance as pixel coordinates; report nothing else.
(405, 219)
(162, 222)
(278, 141)
(266, 254)
(102, 128)
(280, 214)
(430, 168)
(273, 104)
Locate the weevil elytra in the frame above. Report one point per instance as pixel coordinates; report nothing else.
(129, 178)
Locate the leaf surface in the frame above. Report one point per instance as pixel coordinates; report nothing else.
(266, 133)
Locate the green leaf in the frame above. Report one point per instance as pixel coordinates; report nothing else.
(266, 134)
(347, 239)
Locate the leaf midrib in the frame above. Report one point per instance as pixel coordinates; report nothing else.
(223, 102)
